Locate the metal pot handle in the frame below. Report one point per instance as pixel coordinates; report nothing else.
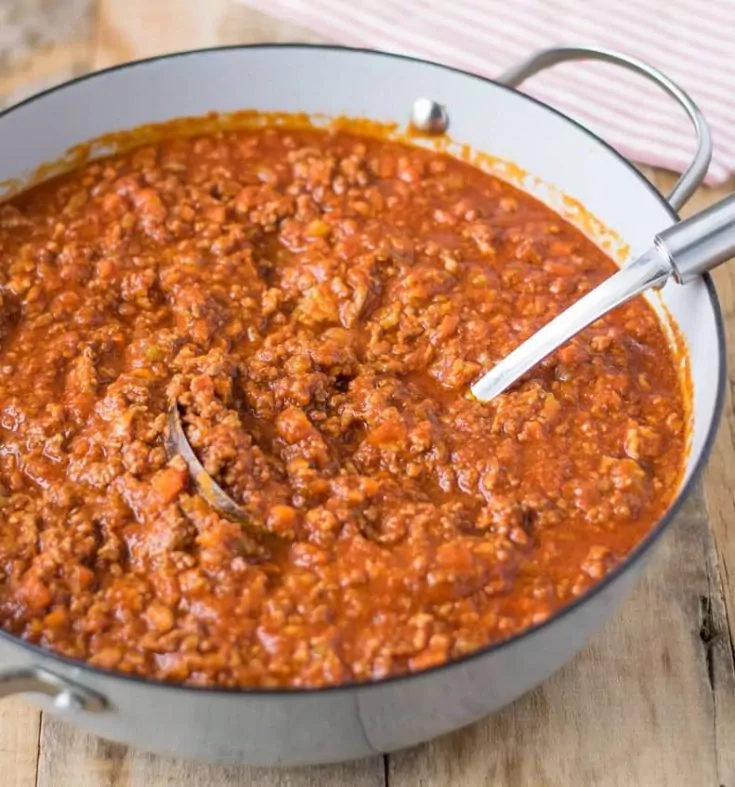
(545, 58)
(67, 696)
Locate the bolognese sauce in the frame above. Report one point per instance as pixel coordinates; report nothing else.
(316, 304)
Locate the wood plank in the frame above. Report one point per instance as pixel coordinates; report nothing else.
(71, 758)
(43, 44)
(719, 475)
(133, 29)
(19, 741)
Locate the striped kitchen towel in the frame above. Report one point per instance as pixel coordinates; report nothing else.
(692, 41)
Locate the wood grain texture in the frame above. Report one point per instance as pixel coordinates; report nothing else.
(651, 701)
(42, 43)
(71, 758)
(19, 743)
(133, 29)
(719, 484)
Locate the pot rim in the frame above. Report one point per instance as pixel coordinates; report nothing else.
(635, 555)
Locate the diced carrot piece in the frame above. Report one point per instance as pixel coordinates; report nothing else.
(35, 594)
(169, 483)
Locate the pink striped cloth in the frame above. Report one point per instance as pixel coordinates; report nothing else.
(691, 41)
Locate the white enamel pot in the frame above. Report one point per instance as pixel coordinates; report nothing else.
(292, 727)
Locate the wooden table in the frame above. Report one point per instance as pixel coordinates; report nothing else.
(650, 702)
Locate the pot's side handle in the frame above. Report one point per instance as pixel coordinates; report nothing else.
(546, 58)
(67, 696)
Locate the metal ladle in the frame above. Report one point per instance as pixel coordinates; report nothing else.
(177, 444)
(684, 251)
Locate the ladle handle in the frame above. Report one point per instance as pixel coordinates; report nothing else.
(684, 251)
(706, 240)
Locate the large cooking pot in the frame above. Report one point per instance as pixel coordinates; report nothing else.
(309, 726)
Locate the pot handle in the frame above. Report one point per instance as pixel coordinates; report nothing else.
(67, 696)
(545, 58)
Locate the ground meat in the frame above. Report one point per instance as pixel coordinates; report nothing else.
(316, 304)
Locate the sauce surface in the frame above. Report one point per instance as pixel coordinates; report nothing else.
(317, 304)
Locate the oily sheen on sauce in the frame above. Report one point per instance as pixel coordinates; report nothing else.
(317, 304)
